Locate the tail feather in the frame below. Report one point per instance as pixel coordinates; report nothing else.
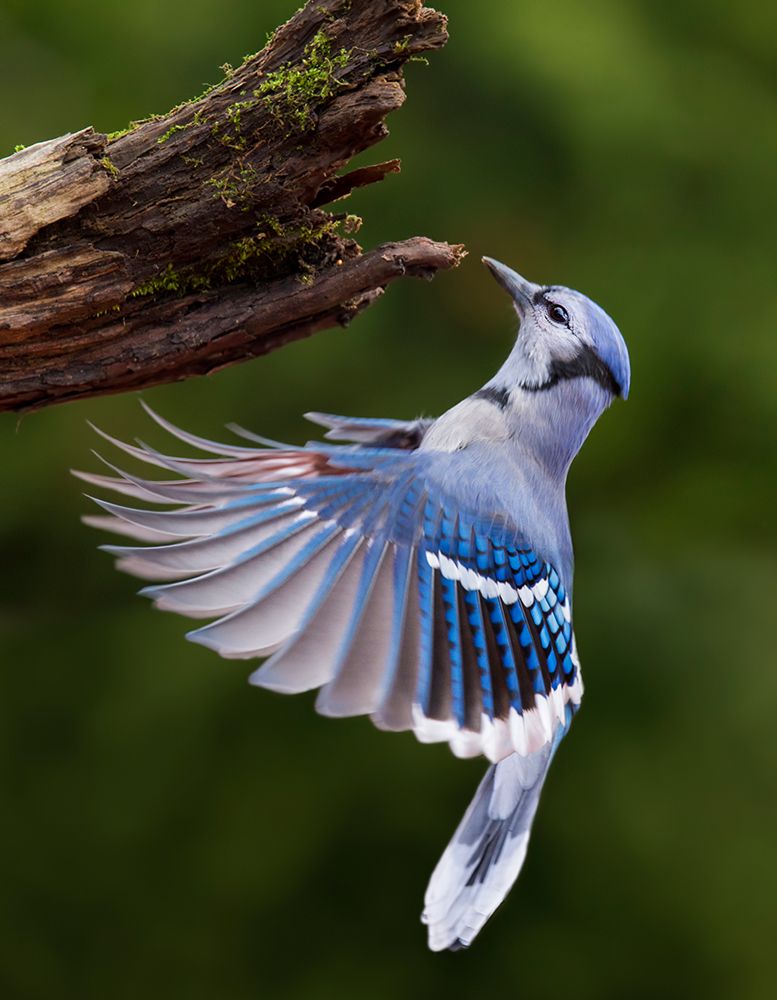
(486, 854)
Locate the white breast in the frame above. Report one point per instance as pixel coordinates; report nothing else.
(471, 420)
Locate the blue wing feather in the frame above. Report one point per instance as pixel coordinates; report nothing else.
(450, 621)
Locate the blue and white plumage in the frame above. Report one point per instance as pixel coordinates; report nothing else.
(422, 576)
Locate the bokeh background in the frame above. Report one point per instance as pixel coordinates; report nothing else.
(168, 831)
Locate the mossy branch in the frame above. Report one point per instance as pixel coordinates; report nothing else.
(201, 238)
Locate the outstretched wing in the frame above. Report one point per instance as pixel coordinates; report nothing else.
(356, 571)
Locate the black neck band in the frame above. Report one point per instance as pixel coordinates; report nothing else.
(498, 395)
(585, 364)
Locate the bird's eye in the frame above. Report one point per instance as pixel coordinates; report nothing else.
(558, 314)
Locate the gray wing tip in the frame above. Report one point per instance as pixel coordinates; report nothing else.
(322, 419)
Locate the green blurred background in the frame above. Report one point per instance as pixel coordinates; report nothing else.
(168, 831)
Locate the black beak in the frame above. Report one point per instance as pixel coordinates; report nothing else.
(520, 290)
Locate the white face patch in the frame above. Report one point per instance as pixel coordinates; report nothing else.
(541, 341)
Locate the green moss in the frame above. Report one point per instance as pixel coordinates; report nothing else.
(295, 90)
(172, 131)
(334, 14)
(234, 112)
(230, 132)
(19, 147)
(234, 187)
(110, 167)
(273, 249)
(272, 224)
(168, 281)
(112, 136)
(172, 281)
(254, 256)
(197, 119)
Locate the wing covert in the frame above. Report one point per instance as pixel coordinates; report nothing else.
(356, 572)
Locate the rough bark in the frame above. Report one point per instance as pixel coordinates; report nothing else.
(199, 239)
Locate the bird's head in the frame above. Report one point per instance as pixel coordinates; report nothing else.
(563, 336)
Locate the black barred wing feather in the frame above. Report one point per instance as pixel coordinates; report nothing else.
(497, 639)
(354, 572)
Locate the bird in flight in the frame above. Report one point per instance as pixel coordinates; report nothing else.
(420, 574)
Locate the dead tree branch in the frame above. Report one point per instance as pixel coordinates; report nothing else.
(199, 239)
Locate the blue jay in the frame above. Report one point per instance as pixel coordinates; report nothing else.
(421, 575)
